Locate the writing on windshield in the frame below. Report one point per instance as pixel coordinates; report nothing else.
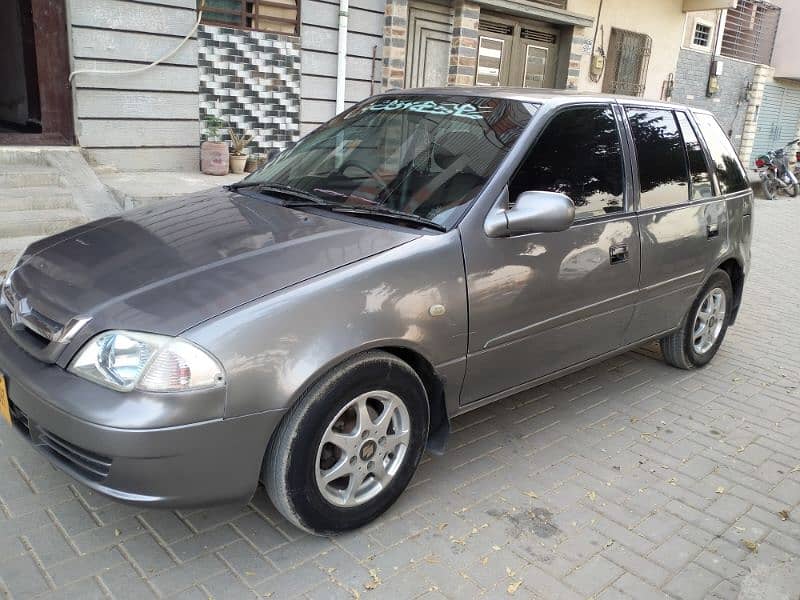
(431, 107)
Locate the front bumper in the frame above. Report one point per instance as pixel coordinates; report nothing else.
(213, 461)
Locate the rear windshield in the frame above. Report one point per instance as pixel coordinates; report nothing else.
(419, 154)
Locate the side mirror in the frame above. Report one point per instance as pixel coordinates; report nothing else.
(533, 212)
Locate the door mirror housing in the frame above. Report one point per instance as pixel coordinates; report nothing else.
(533, 212)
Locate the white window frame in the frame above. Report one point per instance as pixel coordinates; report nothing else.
(698, 21)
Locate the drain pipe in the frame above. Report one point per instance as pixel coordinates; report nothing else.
(341, 59)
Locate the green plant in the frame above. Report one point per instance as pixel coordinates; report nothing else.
(239, 141)
(213, 125)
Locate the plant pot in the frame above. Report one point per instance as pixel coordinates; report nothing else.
(237, 163)
(254, 163)
(214, 158)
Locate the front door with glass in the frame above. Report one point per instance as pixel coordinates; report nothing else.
(521, 54)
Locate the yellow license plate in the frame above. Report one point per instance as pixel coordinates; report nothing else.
(5, 409)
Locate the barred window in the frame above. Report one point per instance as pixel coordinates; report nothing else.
(275, 16)
(628, 58)
(749, 32)
(702, 35)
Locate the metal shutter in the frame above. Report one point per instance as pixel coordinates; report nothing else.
(778, 119)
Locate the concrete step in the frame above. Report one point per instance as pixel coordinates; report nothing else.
(10, 247)
(17, 223)
(35, 198)
(17, 176)
(23, 156)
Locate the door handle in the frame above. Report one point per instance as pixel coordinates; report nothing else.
(712, 230)
(618, 254)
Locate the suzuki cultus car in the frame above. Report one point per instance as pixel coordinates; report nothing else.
(314, 327)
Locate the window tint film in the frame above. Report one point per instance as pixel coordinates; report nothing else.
(701, 186)
(663, 176)
(579, 155)
(730, 172)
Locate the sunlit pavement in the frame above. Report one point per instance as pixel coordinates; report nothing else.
(629, 478)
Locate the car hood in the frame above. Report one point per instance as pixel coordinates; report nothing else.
(168, 267)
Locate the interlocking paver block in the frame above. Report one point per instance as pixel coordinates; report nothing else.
(525, 486)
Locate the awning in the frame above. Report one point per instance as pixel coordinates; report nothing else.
(539, 12)
(692, 5)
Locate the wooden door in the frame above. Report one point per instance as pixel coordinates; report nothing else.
(49, 73)
(428, 46)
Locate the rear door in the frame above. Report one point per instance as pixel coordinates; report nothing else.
(682, 218)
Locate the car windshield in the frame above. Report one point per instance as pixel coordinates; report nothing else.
(420, 155)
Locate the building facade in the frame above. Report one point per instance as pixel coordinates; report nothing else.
(279, 68)
(740, 63)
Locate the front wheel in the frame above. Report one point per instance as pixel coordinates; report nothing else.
(770, 186)
(347, 450)
(793, 189)
(704, 326)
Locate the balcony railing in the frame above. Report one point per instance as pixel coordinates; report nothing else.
(749, 32)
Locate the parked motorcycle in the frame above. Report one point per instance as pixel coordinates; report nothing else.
(773, 169)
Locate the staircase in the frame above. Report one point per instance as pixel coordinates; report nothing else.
(44, 191)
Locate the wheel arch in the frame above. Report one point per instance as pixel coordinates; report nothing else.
(439, 420)
(735, 271)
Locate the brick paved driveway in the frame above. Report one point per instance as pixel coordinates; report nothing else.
(628, 478)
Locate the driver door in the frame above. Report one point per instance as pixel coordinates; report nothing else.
(543, 302)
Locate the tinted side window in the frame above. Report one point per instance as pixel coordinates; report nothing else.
(701, 186)
(578, 154)
(663, 176)
(730, 172)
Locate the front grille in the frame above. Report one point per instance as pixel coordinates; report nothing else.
(89, 464)
(35, 333)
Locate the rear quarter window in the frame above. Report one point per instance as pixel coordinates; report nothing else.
(730, 173)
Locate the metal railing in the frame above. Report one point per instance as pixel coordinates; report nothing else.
(749, 32)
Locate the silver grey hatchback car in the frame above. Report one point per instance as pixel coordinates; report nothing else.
(316, 326)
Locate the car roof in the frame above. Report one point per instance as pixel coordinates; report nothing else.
(537, 95)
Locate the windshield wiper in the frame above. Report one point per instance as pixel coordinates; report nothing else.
(385, 213)
(300, 197)
(244, 183)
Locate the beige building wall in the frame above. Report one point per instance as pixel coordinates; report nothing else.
(785, 55)
(662, 20)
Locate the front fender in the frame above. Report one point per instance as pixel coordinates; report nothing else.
(275, 348)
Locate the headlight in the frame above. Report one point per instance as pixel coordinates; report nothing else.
(124, 360)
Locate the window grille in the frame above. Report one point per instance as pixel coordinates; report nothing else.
(749, 32)
(629, 57)
(275, 16)
(702, 35)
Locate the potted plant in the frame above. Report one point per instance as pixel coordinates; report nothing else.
(214, 157)
(254, 162)
(238, 144)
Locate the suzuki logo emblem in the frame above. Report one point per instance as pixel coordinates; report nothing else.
(18, 314)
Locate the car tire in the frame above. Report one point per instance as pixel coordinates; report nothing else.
(691, 345)
(368, 418)
(770, 187)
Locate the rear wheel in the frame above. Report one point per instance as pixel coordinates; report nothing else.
(347, 450)
(703, 327)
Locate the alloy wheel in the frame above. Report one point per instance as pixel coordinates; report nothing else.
(363, 448)
(709, 320)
